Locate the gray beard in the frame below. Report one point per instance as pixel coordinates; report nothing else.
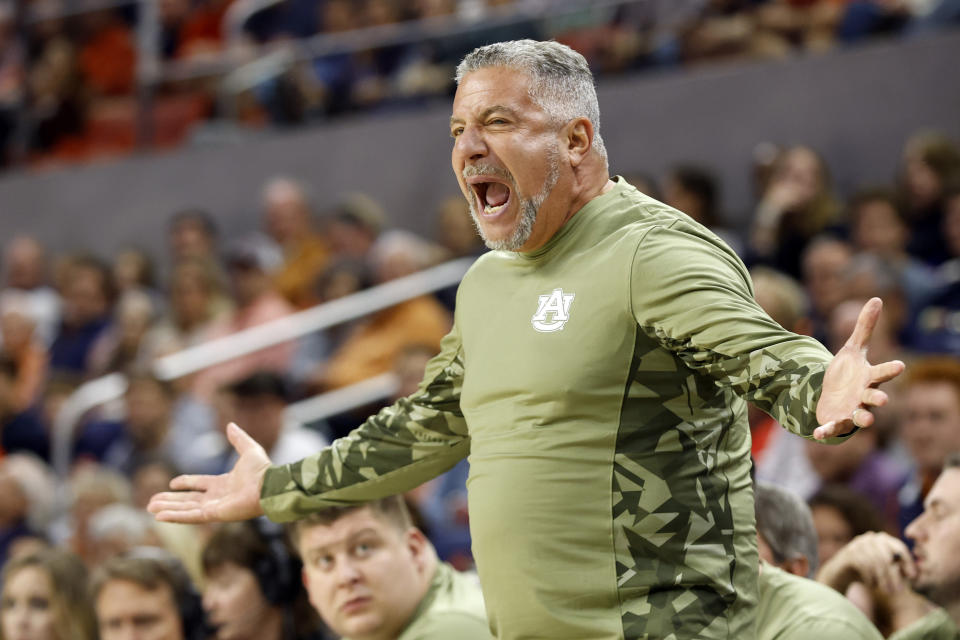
(529, 207)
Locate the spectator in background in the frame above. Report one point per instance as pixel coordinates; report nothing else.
(778, 455)
(147, 591)
(21, 429)
(118, 348)
(695, 191)
(791, 606)
(133, 269)
(254, 589)
(825, 261)
(195, 302)
(25, 273)
(87, 300)
(259, 403)
(45, 597)
(288, 220)
(375, 343)
(354, 226)
(930, 163)
(21, 347)
(457, 233)
(192, 234)
(864, 468)
(117, 529)
(27, 489)
(933, 570)
(878, 226)
(798, 204)
(839, 515)
(930, 428)
(937, 325)
(371, 574)
(251, 265)
(91, 487)
(147, 431)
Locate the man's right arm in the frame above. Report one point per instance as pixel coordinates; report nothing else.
(404, 445)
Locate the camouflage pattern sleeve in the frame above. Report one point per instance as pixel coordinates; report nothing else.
(694, 295)
(401, 447)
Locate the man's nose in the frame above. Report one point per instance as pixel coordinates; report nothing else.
(348, 572)
(470, 144)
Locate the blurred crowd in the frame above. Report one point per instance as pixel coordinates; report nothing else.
(69, 87)
(815, 256)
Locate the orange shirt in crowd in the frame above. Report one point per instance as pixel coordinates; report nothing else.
(297, 278)
(374, 346)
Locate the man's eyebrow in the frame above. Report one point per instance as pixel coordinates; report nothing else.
(486, 113)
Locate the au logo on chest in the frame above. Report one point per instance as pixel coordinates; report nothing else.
(553, 311)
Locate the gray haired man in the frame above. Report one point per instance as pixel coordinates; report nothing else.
(597, 374)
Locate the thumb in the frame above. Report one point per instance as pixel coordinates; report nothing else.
(240, 439)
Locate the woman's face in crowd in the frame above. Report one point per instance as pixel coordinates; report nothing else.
(26, 609)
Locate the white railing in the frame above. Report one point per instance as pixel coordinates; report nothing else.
(111, 387)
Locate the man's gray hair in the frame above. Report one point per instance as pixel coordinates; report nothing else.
(786, 524)
(561, 81)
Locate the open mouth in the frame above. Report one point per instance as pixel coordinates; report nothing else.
(492, 196)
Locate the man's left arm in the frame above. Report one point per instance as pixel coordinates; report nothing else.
(695, 296)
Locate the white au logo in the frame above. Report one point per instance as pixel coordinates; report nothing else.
(553, 311)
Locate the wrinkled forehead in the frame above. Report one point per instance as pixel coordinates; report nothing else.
(490, 85)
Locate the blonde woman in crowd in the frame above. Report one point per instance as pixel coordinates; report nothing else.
(45, 598)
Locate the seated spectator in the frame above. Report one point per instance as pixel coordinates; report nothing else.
(790, 605)
(375, 343)
(354, 226)
(118, 348)
(26, 501)
(91, 487)
(370, 574)
(21, 346)
(253, 588)
(45, 597)
(195, 303)
(259, 403)
(860, 465)
(930, 426)
(251, 264)
(87, 300)
(878, 226)
(932, 570)
(288, 221)
(147, 592)
(117, 529)
(936, 327)
(825, 261)
(25, 273)
(839, 515)
(695, 191)
(798, 204)
(20, 429)
(148, 430)
(930, 163)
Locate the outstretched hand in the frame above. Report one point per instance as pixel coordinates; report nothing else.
(850, 383)
(234, 495)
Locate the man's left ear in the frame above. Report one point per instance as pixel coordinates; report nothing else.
(579, 140)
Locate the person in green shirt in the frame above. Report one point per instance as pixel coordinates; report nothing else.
(372, 575)
(597, 376)
(933, 569)
(791, 606)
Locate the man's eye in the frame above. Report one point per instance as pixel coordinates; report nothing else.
(323, 562)
(456, 132)
(363, 549)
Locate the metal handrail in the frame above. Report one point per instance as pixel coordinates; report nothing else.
(111, 387)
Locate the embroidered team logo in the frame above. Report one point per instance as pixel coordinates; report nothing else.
(553, 311)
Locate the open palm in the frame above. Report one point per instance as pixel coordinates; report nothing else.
(850, 382)
(234, 495)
